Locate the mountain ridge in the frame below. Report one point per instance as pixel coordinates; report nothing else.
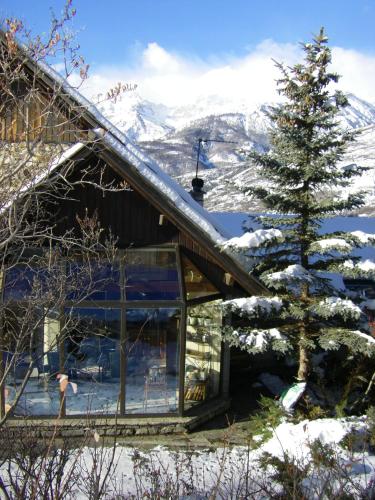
(170, 136)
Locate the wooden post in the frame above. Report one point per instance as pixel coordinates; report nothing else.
(228, 279)
(225, 363)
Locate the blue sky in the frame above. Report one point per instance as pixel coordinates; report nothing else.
(111, 29)
(162, 42)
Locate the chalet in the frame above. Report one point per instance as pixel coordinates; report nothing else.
(144, 338)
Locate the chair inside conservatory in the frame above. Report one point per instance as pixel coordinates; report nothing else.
(156, 386)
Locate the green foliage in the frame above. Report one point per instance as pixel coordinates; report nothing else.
(286, 472)
(268, 417)
(303, 179)
(371, 424)
(354, 441)
(322, 455)
(321, 473)
(315, 412)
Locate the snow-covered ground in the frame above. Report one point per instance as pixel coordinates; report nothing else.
(235, 472)
(225, 469)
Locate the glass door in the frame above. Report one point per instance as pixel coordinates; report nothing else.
(152, 368)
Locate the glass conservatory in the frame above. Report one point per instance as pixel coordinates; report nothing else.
(137, 336)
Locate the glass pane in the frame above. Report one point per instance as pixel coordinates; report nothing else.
(151, 275)
(92, 361)
(152, 360)
(18, 283)
(196, 284)
(40, 330)
(203, 353)
(22, 282)
(93, 281)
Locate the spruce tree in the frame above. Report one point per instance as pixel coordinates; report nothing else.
(302, 178)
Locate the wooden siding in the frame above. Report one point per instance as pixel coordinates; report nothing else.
(36, 120)
(126, 214)
(189, 244)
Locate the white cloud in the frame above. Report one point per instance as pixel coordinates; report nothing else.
(155, 59)
(357, 71)
(174, 79)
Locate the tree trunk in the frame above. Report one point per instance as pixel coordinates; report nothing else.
(304, 363)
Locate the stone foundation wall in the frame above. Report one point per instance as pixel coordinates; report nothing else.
(132, 427)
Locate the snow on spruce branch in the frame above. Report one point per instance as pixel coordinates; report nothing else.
(362, 269)
(256, 341)
(256, 239)
(364, 238)
(327, 245)
(335, 306)
(369, 340)
(355, 340)
(252, 306)
(291, 276)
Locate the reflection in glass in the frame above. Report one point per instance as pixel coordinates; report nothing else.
(18, 283)
(41, 395)
(196, 284)
(93, 281)
(151, 275)
(203, 353)
(25, 281)
(92, 360)
(152, 360)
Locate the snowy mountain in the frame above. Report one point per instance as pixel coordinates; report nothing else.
(359, 114)
(140, 119)
(170, 136)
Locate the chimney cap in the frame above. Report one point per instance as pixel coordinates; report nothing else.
(197, 184)
(197, 192)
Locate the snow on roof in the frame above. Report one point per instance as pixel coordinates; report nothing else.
(56, 161)
(66, 155)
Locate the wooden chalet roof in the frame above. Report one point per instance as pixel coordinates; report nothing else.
(144, 175)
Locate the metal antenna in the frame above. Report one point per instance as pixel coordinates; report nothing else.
(200, 140)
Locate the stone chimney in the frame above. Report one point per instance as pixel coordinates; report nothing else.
(197, 192)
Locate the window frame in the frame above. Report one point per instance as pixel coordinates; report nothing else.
(123, 304)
